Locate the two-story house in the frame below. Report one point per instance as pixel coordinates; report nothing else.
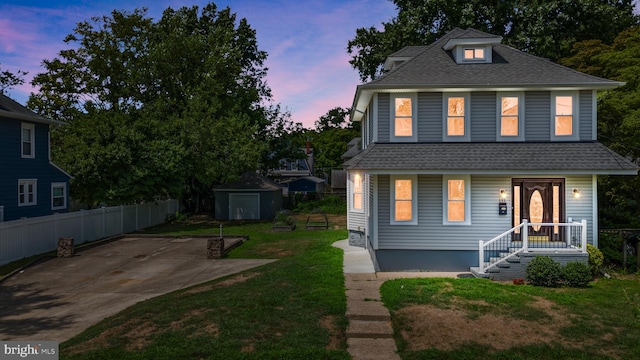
(466, 140)
(30, 184)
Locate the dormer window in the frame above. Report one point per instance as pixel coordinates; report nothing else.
(473, 54)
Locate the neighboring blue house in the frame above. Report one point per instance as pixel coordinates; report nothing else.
(469, 140)
(30, 184)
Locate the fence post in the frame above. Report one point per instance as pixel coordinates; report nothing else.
(584, 236)
(525, 235)
(480, 255)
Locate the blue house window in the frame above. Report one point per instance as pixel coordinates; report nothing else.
(27, 192)
(28, 141)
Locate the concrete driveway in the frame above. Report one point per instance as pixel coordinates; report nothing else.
(59, 298)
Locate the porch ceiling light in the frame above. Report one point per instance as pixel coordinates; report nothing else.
(576, 193)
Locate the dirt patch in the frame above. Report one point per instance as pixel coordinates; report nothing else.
(240, 278)
(275, 250)
(335, 335)
(138, 336)
(427, 326)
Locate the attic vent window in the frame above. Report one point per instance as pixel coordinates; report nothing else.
(474, 54)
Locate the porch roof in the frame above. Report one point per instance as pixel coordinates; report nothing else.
(492, 158)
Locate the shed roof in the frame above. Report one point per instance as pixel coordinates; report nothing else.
(251, 181)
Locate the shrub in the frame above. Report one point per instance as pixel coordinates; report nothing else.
(543, 271)
(576, 274)
(595, 259)
(518, 281)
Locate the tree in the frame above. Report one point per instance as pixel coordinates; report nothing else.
(166, 108)
(283, 138)
(545, 28)
(8, 79)
(618, 118)
(333, 132)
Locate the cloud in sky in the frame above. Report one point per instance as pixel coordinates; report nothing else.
(306, 41)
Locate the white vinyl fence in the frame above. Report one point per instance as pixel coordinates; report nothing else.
(31, 236)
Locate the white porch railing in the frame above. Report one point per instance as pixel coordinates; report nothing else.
(572, 236)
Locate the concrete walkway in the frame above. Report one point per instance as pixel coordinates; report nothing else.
(369, 333)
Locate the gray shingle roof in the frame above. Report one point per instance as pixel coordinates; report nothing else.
(251, 181)
(13, 110)
(487, 158)
(434, 67)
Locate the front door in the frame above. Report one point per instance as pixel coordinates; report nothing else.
(539, 201)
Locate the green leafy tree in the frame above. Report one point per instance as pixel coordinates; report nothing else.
(546, 28)
(618, 119)
(9, 80)
(166, 108)
(332, 133)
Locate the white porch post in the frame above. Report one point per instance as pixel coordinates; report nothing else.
(584, 236)
(525, 235)
(481, 255)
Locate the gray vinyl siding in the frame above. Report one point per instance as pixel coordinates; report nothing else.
(355, 219)
(483, 116)
(537, 117)
(384, 117)
(581, 208)
(585, 113)
(486, 223)
(429, 117)
(430, 233)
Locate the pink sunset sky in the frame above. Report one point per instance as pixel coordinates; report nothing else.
(309, 71)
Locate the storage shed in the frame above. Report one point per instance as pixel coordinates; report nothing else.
(253, 197)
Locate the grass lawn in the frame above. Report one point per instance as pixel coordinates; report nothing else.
(293, 308)
(480, 319)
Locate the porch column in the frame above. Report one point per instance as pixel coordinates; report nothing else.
(525, 235)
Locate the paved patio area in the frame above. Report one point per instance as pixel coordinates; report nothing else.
(59, 298)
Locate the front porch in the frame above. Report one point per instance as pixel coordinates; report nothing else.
(514, 249)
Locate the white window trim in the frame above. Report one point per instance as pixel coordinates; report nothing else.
(467, 199)
(31, 127)
(467, 118)
(352, 192)
(460, 59)
(64, 195)
(520, 96)
(414, 118)
(26, 183)
(414, 199)
(576, 131)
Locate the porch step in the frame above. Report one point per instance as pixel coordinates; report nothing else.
(476, 272)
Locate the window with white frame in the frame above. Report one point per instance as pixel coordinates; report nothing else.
(27, 143)
(404, 119)
(471, 54)
(404, 200)
(456, 200)
(564, 122)
(58, 196)
(456, 122)
(27, 192)
(357, 198)
(510, 121)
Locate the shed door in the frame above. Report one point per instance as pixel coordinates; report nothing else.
(244, 206)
